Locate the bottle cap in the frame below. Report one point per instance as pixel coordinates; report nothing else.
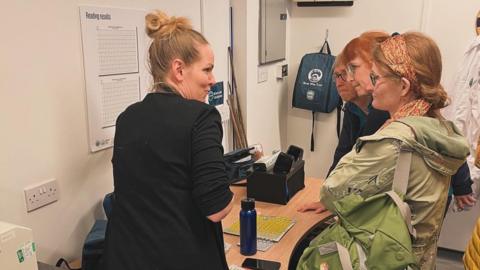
(248, 204)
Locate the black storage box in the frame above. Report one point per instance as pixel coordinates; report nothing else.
(276, 188)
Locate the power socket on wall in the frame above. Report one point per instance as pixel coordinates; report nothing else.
(262, 75)
(41, 194)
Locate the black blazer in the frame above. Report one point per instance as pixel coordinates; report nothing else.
(169, 175)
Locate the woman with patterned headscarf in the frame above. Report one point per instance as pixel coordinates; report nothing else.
(406, 76)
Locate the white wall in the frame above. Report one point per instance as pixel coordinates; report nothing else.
(216, 29)
(43, 115)
(264, 105)
(450, 23)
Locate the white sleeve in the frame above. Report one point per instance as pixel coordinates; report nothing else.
(460, 98)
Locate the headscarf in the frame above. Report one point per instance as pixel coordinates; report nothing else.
(395, 51)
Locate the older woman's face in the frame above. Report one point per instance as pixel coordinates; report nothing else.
(387, 92)
(344, 87)
(358, 71)
(198, 75)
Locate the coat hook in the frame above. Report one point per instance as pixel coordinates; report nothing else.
(326, 35)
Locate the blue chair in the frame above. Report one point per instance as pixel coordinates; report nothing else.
(95, 240)
(108, 204)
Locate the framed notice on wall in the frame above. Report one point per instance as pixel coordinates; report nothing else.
(114, 59)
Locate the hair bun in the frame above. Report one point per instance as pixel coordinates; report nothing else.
(158, 23)
(154, 20)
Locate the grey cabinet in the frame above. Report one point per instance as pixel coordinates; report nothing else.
(273, 20)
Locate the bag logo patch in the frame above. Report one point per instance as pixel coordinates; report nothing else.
(310, 95)
(315, 75)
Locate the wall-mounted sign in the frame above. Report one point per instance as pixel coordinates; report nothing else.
(113, 52)
(216, 94)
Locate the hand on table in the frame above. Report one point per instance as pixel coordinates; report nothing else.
(317, 207)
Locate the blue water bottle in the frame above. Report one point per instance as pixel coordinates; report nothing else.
(248, 227)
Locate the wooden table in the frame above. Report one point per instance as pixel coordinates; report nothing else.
(282, 250)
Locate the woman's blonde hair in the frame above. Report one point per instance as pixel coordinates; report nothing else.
(173, 37)
(426, 62)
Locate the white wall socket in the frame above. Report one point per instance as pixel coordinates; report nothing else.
(41, 194)
(262, 75)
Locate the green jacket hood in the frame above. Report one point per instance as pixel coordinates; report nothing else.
(439, 142)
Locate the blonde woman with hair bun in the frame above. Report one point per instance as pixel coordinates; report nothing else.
(171, 189)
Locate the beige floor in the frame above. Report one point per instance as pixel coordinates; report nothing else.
(449, 260)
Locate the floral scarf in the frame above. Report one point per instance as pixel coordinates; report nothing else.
(417, 107)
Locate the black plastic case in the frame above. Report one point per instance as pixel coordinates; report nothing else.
(276, 188)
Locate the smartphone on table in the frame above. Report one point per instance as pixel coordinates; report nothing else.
(258, 264)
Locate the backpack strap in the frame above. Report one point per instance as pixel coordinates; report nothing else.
(343, 253)
(312, 137)
(339, 122)
(399, 186)
(344, 256)
(325, 48)
(402, 171)
(404, 210)
(339, 117)
(362, 257)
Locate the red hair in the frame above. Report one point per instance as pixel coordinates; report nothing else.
(363, 46)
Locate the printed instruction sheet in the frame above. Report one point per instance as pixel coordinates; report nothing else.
(114, 47)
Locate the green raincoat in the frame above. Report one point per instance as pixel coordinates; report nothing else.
(438, 151)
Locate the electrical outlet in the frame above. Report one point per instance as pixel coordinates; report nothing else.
(262, 74)
(282, 71)
(41, 194)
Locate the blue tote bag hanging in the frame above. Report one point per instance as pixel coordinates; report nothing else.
(315, 89)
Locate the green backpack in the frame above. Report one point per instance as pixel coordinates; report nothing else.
(371, 233)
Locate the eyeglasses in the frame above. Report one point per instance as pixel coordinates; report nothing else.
(351, 68)
(340, 75)
(374, 77)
